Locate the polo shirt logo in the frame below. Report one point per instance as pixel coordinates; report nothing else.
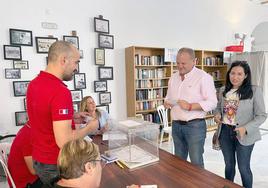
(63, 111)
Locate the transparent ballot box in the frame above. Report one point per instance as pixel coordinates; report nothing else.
(134, 142)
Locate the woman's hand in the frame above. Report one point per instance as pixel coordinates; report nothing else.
(217, 118)
(241, 132)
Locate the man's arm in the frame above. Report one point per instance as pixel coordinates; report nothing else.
(64, 133)
(29, 163)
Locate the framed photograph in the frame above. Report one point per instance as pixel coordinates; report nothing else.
(100, 86)
(72, 39)
(81, 54)
(25, 104)
(12, 74)
(76, 107)
(79, 81)
(43, 44)
(20, 37)
(12, 52)
(20, 64)
(76, 95)
(101, 25)
(99, 54)
(106, 41)
(105, 97)
(21, 118)
(105, 73)
(103, 107)
(20, 88)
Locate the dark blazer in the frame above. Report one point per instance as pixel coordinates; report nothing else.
(250, 114)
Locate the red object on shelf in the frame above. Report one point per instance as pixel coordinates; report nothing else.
(235, 48)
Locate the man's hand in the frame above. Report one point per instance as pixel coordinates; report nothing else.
(167, 104)
(217, 118)
(79, 117)
(184, 104)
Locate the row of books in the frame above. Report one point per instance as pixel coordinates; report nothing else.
(215, 74)
(150, 83)
(150, 73)
(213, 61)
(152, 117)
(146, 94)
(148, 105)
(149, 60)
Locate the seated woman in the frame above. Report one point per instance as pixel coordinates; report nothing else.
(88, 105)
(80, 165)
(20, 163)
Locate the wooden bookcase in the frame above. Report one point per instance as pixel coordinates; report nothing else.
(147, 78)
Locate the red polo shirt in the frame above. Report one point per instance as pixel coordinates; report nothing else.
(48, 100)
(21, 147)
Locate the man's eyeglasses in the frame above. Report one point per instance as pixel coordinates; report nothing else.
(102, 162)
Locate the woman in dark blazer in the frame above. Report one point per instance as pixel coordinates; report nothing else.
(240, 111)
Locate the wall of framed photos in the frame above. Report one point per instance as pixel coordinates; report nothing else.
(169, 25)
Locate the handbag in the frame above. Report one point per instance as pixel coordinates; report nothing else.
(215, 140)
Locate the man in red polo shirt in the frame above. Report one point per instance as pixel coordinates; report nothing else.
(50, 110)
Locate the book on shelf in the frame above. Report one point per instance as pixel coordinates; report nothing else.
(149, 60)
(218, 60)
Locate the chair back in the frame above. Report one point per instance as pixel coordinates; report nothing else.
(163, 114)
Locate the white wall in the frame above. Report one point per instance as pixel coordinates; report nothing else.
(206, 24)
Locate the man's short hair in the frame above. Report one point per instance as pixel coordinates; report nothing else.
(73, 157)
(58, 48)
(189, 51)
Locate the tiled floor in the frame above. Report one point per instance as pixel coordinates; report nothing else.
(259, 163)
(214, 161)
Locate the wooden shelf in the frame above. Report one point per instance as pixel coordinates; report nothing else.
(150, 100)
(152, 88)
(164, 78)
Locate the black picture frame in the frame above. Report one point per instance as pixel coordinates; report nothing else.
(76, 106)
(105, 73)
(105, 98)
(100, 86)
(74, 40)
(106, 41)
(77, 95)
(12, 73)
(101, 25)
(43, 44)
(20, 64)
(20, 37)
(20, 88)
(12, 52)
(79, 81)
(21, 118)
(103, 107)
(99, 55)
(25, 103)
(81, 54)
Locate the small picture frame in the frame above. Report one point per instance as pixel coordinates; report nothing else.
(79, 81)
(105, 97)
(99, 54)
(21, 118)
(76, 95)
(20, 88)
(43, 43)
(76, 107)
(20, 37)
(25, 104)
(12, 74)
(12, 52)
(74, 40)
(106, 41)
(105, 73)
(20, 64)
(100, 86)
(81, 54)
(103, 107)
(101, 25)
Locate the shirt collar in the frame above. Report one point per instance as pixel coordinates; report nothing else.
(51, 76)
(190, 73)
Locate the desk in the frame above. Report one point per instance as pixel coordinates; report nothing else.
(169, 172)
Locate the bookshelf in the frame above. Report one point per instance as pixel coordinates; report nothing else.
(147, 78)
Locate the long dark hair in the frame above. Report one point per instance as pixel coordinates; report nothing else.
(245, 90)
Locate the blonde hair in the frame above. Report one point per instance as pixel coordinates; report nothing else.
(73, 157)
(83, 106)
